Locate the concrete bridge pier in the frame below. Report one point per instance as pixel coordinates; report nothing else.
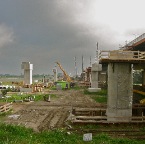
(120, 92)
(28, 67)
(55, 74)
(96, 67)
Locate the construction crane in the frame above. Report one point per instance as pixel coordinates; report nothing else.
(64, 72)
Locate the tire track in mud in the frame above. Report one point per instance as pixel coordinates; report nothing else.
(64, 116)
(54, 119)
(42, 115)
(44, 124)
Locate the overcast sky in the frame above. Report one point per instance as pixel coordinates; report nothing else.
(45, 31)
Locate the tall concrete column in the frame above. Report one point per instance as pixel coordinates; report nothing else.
(120, 92)
(27, 72)
(96, 67)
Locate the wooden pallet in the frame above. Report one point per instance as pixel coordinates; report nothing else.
(5, 108)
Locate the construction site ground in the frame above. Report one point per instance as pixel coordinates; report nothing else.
(43, 116)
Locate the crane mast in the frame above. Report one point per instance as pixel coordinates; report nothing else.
(64, 72)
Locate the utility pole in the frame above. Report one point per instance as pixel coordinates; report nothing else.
(82, 63)
(90, 62)
(97, 53)
(75, 66)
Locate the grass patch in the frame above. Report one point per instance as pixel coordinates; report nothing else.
(142, 129)
(10, 134)
(5, 113)
(102, 92)
(100, 96)
(76, 88)
(38, 97)
(100, 99)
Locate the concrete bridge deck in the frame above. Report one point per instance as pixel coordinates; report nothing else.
(121, 56)
(136, 44)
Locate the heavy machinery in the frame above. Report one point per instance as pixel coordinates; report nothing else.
(66, 76)
(142, 93)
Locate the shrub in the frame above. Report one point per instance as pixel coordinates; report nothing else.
(4, 92)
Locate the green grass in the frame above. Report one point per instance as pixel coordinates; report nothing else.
(102, 92)
(5, 113)
(38, 97)
(142, 129)
(77, 87)
(100, 99)
(100, 96)
(10, 134)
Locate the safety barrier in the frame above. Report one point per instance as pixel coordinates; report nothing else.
(122, 55)
(136, 40)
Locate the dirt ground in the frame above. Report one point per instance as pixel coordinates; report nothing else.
(44, 115)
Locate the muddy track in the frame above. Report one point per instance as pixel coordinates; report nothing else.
(42, 115)
(45, 123)
(54, 119)
(62, 119)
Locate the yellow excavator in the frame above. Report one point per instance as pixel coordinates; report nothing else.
(142, 93)
(67, 77)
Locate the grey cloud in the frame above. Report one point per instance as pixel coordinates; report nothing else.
(6, 35)
(47, 31)
(134, 32)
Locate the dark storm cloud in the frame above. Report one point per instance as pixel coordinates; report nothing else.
(46, 31)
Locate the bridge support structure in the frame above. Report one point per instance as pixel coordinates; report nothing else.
(27, 72)
(120, 82)
(120, 92)
(96, 67)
